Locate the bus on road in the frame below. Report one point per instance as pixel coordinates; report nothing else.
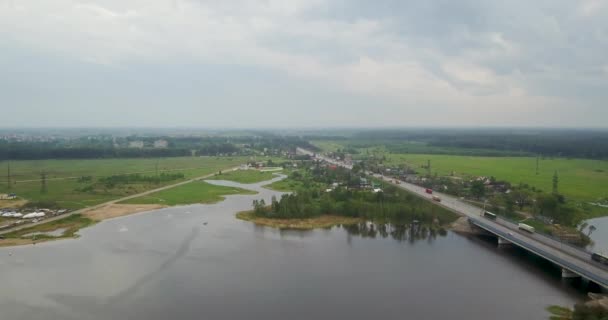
(526, 227)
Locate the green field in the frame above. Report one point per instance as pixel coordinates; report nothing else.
(194, 192)
(284, 185)
(327, 145)
(62, 176)
(71, 224)
(579, 179)
(245, 176)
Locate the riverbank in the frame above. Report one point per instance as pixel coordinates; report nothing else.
(118, 210)
(61, 227)
(324, 221)
(68, 227)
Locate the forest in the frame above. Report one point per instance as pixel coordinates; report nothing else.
(574, 143)
(98, 147)
(391, 205)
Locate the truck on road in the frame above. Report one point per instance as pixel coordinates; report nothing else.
(526, 227)
(599, 257)
(436, 198)
(489, 215)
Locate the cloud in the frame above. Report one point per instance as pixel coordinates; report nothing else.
(511, 56)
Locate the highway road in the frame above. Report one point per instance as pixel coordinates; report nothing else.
(554, 250)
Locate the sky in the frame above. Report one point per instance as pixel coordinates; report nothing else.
(303, 63)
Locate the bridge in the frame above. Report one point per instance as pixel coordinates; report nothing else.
(574, 261)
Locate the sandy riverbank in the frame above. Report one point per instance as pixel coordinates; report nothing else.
(324, 221)
(12, 203)
(118, 210)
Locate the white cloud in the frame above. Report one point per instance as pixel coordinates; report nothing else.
(495, 66)
(591, 7)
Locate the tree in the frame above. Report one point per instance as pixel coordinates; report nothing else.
(590, 230)
(43, 182)
(478, 189)
(559, 313)
(521, 197)
(509, 204)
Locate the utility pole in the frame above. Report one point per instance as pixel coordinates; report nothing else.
(8, 175)
(555, 182)
(43, 182)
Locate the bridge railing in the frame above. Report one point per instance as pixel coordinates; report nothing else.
(551, 237)
(565, 264)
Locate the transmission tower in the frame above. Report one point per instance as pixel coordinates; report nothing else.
(43, 182)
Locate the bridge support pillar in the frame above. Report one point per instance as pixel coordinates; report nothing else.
(502, 242)
(569, 274)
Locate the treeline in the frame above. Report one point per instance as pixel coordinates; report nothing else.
(547, 142)
(106, 147)
(38, 151)
(112, 181)
(392, 205)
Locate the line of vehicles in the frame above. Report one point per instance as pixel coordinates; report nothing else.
(596, 256)
(434, 197)
(521, 226)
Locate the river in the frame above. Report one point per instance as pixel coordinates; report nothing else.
(169, 264)
(600, 235)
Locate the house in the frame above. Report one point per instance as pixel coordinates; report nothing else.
(363, 183)
(138, 144)
(10, 196)
(161, 144)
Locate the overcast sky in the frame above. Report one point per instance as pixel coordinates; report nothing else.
(303, 63)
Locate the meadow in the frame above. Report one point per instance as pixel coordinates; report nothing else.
(245, 176)
(190, 193)
(579, 179)
(64, 184)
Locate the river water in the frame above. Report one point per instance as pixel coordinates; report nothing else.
(600, 235)
(168, 264)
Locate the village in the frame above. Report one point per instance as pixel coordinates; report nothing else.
(12, 217)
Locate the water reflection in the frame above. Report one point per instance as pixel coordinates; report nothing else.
(401, 232)
(167, 264)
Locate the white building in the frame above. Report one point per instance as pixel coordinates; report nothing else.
(136, 144)
(161, 144)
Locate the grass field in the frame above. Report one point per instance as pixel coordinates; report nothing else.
(327, 145)
(245, 176)
(579, 179)
(194, 192)
(284, 185)
(62, 183)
